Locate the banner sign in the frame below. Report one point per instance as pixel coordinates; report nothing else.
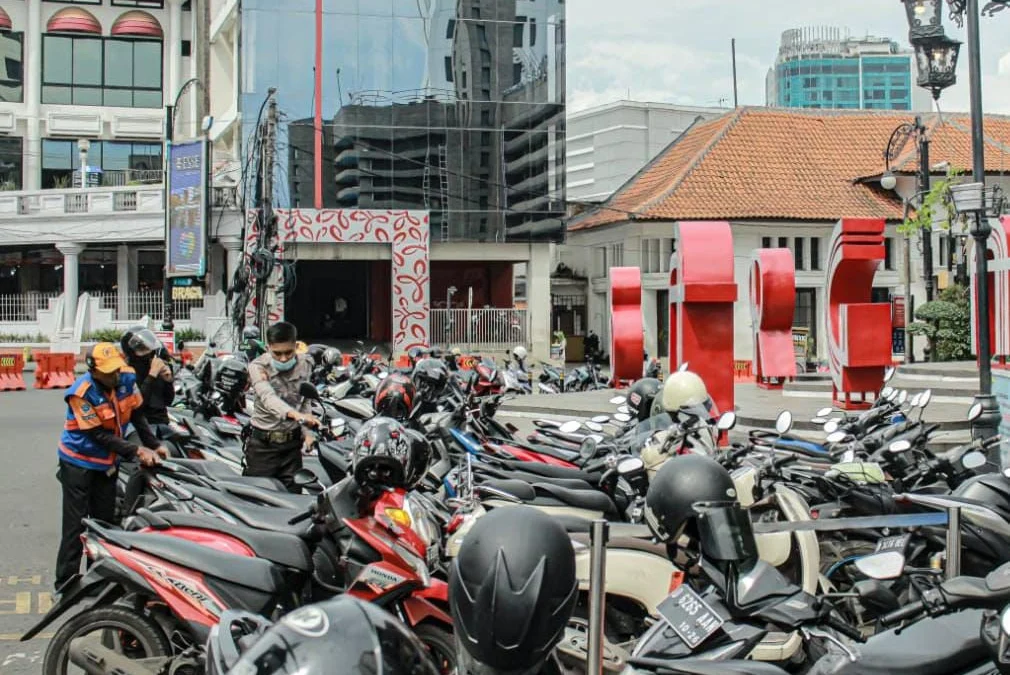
(187, 214)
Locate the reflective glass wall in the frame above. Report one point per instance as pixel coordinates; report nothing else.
(454, 106)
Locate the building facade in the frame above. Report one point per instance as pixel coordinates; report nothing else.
(824, 67)
(608, 144)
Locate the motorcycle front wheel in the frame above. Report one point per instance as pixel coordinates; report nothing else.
(441, 646)
(133, 635)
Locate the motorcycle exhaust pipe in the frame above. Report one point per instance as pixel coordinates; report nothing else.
(598, 535)
(96, 659)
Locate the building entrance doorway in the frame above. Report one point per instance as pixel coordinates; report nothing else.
(331, 300)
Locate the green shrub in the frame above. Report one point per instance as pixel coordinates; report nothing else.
(946, 325)
(189, 335)
(23, 337)
(103, 335)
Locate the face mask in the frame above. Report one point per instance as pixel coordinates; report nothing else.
(285, 366)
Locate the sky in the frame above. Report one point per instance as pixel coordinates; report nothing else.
(678, 51)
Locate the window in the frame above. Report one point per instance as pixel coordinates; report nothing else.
(10, 163)
(828, 95)
(809, 82)
(482, 36)
(517, 73)
(485, 138)
(101, 71)
(798, 253)
(450, 29)
(616, 255)
(888, 253)
(517, 31)
(485, 158)
(463, 79)
(485, 76)
(448, 69)
(600, 261)
(186, 48)
(121, 162)
(899, 93)
(815, 253)
(485, 117)
(533, 31)
(783, 242)
(149, 4)
(12, 71)
(766, 242)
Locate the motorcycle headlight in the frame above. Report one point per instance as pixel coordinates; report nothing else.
(416, 563)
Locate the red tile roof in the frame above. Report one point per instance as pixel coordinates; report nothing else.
(780, 164)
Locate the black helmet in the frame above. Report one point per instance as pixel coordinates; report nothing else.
(512, 589)
(430, 377)
(344, 635)
(250, 333)
(386, 454)
(316, 351)
(991, 489)
(394, 397)
(415, 354)
(231, 377)
(682, 482)
(139, 338)
(641, 395)
(333, 357)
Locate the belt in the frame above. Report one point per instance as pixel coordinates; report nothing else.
(276, 437)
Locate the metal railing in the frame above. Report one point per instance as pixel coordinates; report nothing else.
(485, 328)
(24, 307)
(145, 198)
(145, 303)
(124, 177)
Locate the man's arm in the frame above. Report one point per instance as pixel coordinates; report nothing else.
(265, 393)
(144, 430)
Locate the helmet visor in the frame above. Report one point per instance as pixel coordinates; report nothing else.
(725, 532)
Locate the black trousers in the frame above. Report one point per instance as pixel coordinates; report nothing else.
(87, 493)
(274, 461)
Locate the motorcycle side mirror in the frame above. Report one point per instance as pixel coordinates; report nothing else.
(337, 426)
(306, 390)
(305, 478)
(630, 465)
(974, 412)
(622, 417)
(848, 456)
(784, 422)
(818, 420)
(624, 409)
(682, 368)
(1004, 622)
(902, 397)
(825, 412)
(601, 419)
(883, 565)
(888, 373)
(915, 401)
(925, 398)
(973, 460)
(727, 421)
(892, 395)
(618, 400)
(836, 437)
(570, 427)
(900, 446)
(382, 375)
(588, 448)
(886, 393)
(593, 426)
(831, 426)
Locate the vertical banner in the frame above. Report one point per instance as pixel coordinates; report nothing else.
(186, 239)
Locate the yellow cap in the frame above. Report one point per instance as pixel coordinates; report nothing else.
(106, 358)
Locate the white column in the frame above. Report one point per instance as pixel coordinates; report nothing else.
(538, 300)
(71, 255)
(649, 323)
(173, 50)
(126, 278)
(32, 150)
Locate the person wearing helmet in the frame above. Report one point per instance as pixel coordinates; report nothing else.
(511, 594)
(275, 436)
(430, 377)
(395, 396)
(342, 636)
(641, 397)
(251, 344)
(144, 353)
(519, 353)
(684, 394)
(388, 455)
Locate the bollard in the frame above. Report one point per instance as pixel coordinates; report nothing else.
(953, 566)
(598, 535)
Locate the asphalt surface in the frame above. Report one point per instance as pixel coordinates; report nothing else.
(30, 423)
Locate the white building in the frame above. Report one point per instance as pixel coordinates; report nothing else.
(781, 178)
(608, 144)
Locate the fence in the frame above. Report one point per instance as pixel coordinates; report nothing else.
(479, 329)
(24, 307)
(146, 303)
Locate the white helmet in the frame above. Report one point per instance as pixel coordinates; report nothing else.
(519, 352)
(683, 390)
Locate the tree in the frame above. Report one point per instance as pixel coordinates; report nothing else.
(946, 325)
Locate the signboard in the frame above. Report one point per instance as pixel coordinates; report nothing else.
(898, 311)
(801, 342)
(1001, 390)
(897, 340)
(186, 214)
(167, 338)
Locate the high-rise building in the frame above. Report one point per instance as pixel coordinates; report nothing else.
(824, 67)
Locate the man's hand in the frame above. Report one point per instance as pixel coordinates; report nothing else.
(160, 369)
(161, 451)
(148, 458)
(309, 445)
(304, 418)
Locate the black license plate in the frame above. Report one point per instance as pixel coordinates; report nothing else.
(691, 618)
(897, 543)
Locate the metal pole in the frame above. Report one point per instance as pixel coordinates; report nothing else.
(953, 566)
(598, 535)
(909, 352)
(733, 47)
(927, 239)
(166, 298)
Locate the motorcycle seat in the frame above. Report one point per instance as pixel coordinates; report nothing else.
(281, 498)
(576, 525)
(551, 471)
(284, 549)
(570, 483)
(582, 499)
(947, 644)
(253, 573)
(272, 518)
(706, 667)
(628, 543)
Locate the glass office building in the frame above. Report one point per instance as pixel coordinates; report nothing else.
(452, 106)
(823, 68)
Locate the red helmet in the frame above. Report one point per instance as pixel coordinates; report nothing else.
(394, 397)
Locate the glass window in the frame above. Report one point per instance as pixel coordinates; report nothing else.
(450, 29)
(149, 4)
(448, 69)
(96, 71)
(517, 31)
(10, 163)
(815, 253)
(121, 162)
(888, 253)
(766, 242)
(533, 32)
(12, 73)
(798, 253)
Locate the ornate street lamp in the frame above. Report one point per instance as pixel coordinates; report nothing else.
(936, 62)
(924, 17)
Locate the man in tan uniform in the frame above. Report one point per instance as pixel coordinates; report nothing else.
(276, 434)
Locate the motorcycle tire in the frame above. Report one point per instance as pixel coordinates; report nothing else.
(145, 633)
(441, 646)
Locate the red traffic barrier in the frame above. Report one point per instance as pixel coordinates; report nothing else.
(12, 366)
(55, 371)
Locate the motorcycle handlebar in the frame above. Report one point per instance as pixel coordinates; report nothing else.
(845, 629)
(300, 518)
(906, 612)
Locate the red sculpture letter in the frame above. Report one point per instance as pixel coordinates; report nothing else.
(772, 303)
(627, 346)
(702, 293)
(859, 332)
(999, 290)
